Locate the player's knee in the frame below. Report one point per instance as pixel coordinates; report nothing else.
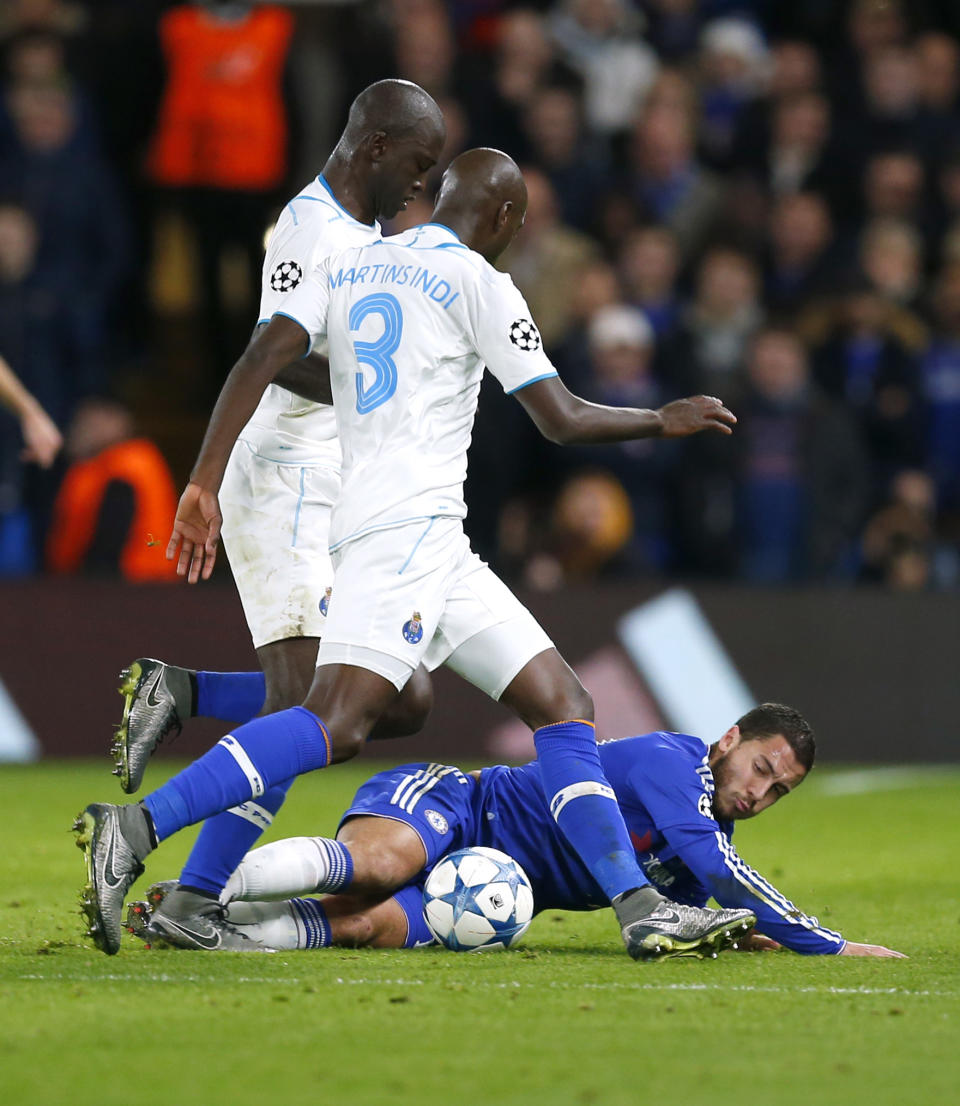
(377, 871)
(354, 930)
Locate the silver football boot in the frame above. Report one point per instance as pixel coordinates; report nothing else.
(156, 696)
(673, 929)
(176, 918)
(114, 840)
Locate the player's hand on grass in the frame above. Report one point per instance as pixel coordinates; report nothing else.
(688, 416)
(756, 942)
(851, 948)
(196, 532)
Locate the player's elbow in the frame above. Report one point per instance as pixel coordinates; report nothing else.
(559, 431)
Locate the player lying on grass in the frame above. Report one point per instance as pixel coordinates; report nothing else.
(678, 796)
(412, 322)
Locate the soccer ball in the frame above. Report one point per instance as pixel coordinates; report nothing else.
(477, 898)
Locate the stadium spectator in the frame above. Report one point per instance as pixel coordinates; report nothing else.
(649, 264)
(802, 470)
(558, 148)
(621, 347)
(115, 502)
(891, 258)
(796, 156)
(863, 364)
(664, 179)
(940, 372)
(590, 526)
(497, 92)
(27, 433)
(423, 45)
(899, 541)
(786, 501)
(705, 352)
(794, 70)
(893, 187)
(600, 39)
(546, 258)
(673, 27)
(799, 260)
(733, 69)
(938, 77)
(82, 244)
(219, 149)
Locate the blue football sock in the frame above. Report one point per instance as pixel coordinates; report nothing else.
(584, 806)
(226, 839)
(230, 696)
(312, 923)
(241, 766)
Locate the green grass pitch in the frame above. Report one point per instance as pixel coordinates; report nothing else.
(564, 1018)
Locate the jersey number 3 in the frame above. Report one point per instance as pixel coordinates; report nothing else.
(378, 354)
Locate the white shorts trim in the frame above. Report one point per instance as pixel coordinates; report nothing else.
(390, 668)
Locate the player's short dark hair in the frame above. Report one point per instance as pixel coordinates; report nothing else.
(770, 719)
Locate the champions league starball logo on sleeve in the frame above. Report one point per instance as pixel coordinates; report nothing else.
(524, 335)
(286, 276)
(413, 630)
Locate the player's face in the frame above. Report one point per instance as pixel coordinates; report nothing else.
(752, 775)
(404, 167)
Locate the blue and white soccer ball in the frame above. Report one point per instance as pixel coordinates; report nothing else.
(477, 898)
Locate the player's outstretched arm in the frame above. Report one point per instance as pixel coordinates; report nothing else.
(851, 948)
(566, 419)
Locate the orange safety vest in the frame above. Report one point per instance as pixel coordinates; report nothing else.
(137, 462)
(222, 121)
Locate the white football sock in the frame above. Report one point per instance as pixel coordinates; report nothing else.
(294, 866)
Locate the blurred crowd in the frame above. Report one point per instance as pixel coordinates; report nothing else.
(754, 200)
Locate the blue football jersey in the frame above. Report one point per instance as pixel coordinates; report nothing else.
(664, 788)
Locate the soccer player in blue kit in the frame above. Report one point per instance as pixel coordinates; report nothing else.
(411, 324)
(680, 799)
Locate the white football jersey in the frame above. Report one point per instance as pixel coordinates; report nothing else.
(411, 321)
(313, 225)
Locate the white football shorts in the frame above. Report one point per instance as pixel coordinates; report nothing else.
(418, 594)
(276, 526)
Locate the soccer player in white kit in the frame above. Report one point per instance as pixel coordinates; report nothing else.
(284, 472)
(284, 476)
(411, 323)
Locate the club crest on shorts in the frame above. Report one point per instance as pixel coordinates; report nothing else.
(524, 335)
(437, 820)
(413, 630)
(286, 276)
(325, 602)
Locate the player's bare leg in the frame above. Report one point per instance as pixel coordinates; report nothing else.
(350, 701)
(288, 667)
